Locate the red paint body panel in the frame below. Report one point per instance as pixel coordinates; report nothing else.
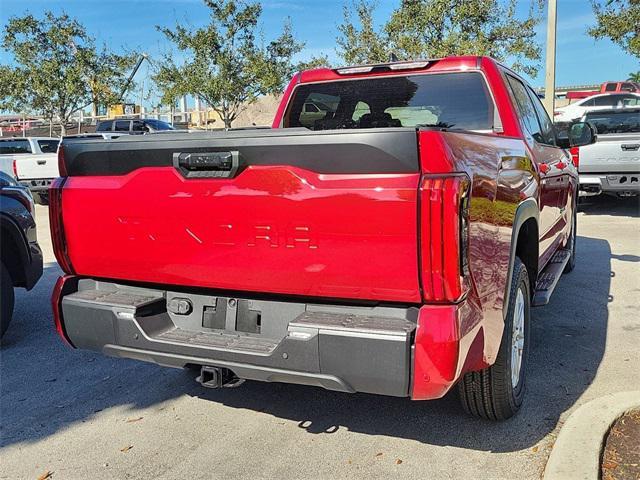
(379, 237)
(271, 229)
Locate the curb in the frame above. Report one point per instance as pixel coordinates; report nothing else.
(578, 448)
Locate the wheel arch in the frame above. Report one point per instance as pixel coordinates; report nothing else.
(524, 245)
(14, 252)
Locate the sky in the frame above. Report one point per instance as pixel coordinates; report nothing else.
(130, 24)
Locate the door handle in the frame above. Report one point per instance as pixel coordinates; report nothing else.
(630, 147)
(41, 162)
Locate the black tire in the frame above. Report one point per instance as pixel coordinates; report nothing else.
(41, 198)
(571, 243)
(6, 307)
(489, 393)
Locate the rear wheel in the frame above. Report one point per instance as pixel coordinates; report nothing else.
(6, 307)
(41, 198)
(496, 393)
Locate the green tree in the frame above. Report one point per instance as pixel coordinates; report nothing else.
(107, 75)
(361, 42)
(634, 77)
(224, 63)
(438, 28)
(54, 63)
(619, 21)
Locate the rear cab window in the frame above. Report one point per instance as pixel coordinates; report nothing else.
(15, 146)
(459, 100)
(615, 122)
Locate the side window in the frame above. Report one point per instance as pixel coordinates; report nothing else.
(310, 108)
(122, 126)
(588, 103)
(627, 87)
(361, 109)
(630, 100)
(606, 101)
(48, 146)
(105, 126)
(526, 109)
(610, 87)
(548, 132)
(139, 126)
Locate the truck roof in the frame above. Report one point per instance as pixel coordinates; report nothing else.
(394, 68)
(12, 139)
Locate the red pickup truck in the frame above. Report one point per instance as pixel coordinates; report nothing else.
(388, 235)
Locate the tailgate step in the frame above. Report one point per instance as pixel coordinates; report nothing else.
(238, 343)
(549, 277)
(115, 298)
(354, 323)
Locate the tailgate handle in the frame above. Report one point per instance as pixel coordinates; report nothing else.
(41, 162)
(630, 147)
(207, 164)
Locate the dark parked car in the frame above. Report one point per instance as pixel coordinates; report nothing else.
(141, 126)
(21, 254)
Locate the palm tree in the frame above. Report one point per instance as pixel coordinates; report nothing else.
(634, 77)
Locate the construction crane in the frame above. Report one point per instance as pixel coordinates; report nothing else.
(121, 108)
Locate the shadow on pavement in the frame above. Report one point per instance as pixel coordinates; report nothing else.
(569, 340)
(607, 205)
(46, 386)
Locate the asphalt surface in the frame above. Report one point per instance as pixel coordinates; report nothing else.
(82, 415)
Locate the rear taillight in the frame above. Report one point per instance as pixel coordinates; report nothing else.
(57, 225)
(444, 233)
(62, 167)
(575, 156)
(15, 169)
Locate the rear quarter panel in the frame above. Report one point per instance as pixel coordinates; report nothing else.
(502, 176)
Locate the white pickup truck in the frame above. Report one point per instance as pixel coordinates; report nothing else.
(32, 161)
(612, 164)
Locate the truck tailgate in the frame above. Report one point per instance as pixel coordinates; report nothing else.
(32, 166)
(319, 214)
(613, 153)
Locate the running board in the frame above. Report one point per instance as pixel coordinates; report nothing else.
(549, 277)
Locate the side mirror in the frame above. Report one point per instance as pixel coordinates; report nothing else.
(582, 133)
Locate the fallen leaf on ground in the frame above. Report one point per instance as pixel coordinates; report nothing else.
(535, 449)
(609, 465)
(379, 454)
(127, 448)
(131, 420)
(45, 475)
(398, 461)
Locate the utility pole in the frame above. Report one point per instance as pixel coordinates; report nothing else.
(550, 70)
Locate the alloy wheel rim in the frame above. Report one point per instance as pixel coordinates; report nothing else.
(517, 339)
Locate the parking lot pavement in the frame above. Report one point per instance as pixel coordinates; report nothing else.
(81, 415)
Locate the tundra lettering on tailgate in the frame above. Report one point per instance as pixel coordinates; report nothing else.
(224, 234)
